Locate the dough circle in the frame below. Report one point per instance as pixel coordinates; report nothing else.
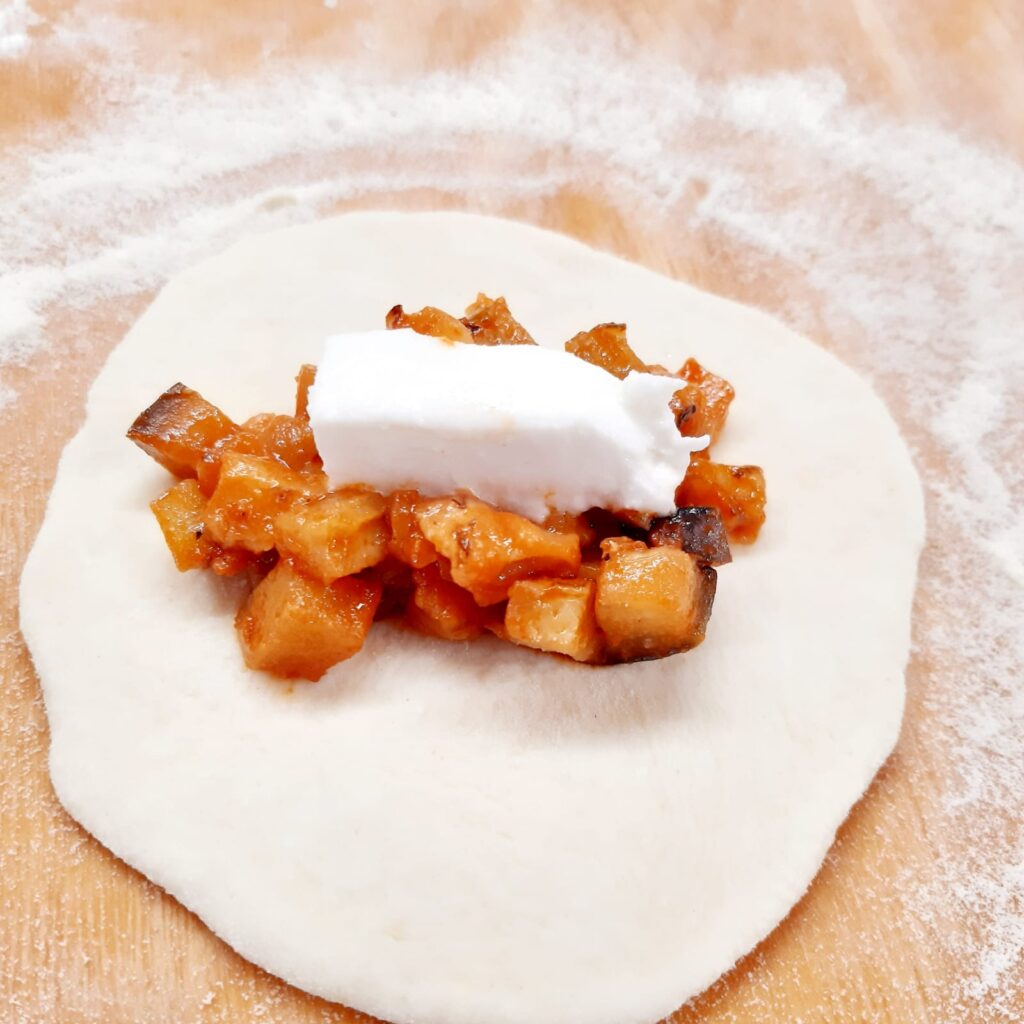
(457, 834)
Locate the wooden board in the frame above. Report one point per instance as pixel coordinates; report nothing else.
(85, 940)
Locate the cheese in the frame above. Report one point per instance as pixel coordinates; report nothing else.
(526, 428)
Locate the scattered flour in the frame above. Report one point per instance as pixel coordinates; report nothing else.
(16, 18)
(903, 243)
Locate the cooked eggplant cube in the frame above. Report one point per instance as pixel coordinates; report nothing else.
(181, 513)
(652, 602)
(252, 490)
(442, 608)
(737, 492)
(334, 535)
(491, 322)
(179, 428)
(697, 531)
(554, 615)
(298, 627)
(490, 549)
(605, 345)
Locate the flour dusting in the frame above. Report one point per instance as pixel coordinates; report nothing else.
(16, 18)
(900, 243)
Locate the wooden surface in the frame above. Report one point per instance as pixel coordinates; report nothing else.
(84, 939)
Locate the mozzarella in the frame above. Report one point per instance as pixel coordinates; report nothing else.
(526, 428)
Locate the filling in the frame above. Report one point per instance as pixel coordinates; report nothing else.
(362, 514)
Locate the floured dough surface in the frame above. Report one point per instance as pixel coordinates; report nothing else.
(464, 834)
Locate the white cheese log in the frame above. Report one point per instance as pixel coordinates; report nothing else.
(526, 428)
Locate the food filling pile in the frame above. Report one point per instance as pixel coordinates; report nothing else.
(604, 586)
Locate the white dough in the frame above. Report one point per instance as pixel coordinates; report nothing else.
(476, 834)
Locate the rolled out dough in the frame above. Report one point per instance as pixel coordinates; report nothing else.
(476, 834)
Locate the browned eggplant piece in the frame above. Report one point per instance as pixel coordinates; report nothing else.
(737, 492)
(605, 345)
(555, 615)
(697, 531)
(689, 406)
(634, 519)
(179, 428)
(605, 523)
(181, 513)
(491, 323)
(651, 602)
(298, 627)
(431, 321)
(717, 394)
(490, 549)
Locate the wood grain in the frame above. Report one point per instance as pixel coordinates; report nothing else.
(83, 939)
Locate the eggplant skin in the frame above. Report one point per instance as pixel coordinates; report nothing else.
(696, 530)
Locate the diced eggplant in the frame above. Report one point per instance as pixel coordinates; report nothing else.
(652, 602)
(698, 531)
(179, 428)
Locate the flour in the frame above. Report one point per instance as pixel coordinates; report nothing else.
(902, 243)
(16, 18)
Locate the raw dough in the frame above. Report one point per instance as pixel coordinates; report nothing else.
(465, 834)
